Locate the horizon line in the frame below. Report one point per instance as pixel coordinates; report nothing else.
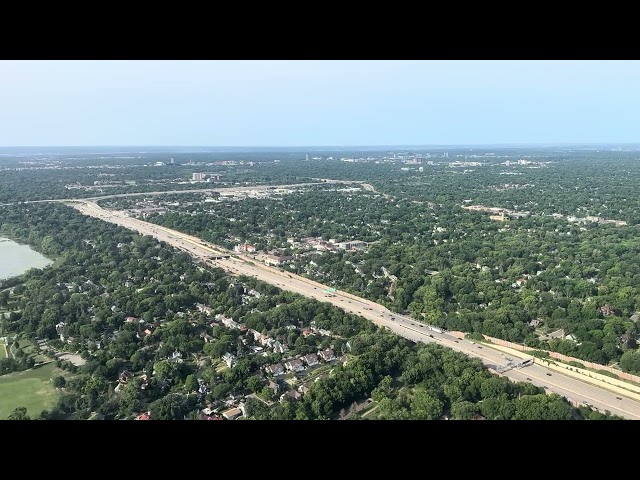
(330, 146)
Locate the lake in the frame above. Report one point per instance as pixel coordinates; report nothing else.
(16, 259)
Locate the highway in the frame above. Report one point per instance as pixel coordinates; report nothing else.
(576, 390)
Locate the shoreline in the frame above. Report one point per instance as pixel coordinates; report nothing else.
(11, 240)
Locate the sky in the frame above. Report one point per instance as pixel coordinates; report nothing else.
(318, 102)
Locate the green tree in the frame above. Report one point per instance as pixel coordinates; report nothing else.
(463, 410)
(425, 406)
(190, 383)
(19, 413)
(59, 381)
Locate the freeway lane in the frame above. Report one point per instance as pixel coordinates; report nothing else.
(577, 391)
(572, 388)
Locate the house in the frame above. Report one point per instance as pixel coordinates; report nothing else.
(273, 386)
(175, 357)
(275, 369)
(292, 394)
(144, 416)
(557, 334)
(277, 260)
(232, 413)
(311, 359)
(535, 322)
(294, 365)
(202, 387)
(327, 355)
(303, 389)
(279, 347)
(306, 332)
(207, 411)
(227, 322)
(204, 308)
(229, 359)
(206, 337)
(244, 247)
(124, 376)
(571, 337)
(608, 310)
(255, 333)
(635, 317)
(626, 340)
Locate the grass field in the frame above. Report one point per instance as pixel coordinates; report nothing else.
(31, 389)
(2, 352)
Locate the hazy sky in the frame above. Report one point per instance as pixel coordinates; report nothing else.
(290, 103)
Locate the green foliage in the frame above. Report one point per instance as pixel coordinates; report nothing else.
(537, 353)
(475, 336)
(59, 381)
(108, 274)
(19, 413)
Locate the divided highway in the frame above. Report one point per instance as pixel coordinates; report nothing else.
(574, 389)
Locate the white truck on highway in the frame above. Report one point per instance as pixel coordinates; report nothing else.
(436, 329)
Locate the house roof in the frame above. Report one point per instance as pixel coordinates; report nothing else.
(311, 357)
(293, 394)
(327, 352)
(232, 412)
(557, 333)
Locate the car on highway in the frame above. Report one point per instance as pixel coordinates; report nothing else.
(618, 398)
(528, 379)
(548, 374)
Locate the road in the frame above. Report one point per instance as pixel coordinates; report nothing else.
(574, 389)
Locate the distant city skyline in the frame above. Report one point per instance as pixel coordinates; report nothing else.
(318, 104)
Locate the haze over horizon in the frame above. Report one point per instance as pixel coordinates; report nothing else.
(289, 104)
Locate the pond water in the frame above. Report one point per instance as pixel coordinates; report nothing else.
(16, 259)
